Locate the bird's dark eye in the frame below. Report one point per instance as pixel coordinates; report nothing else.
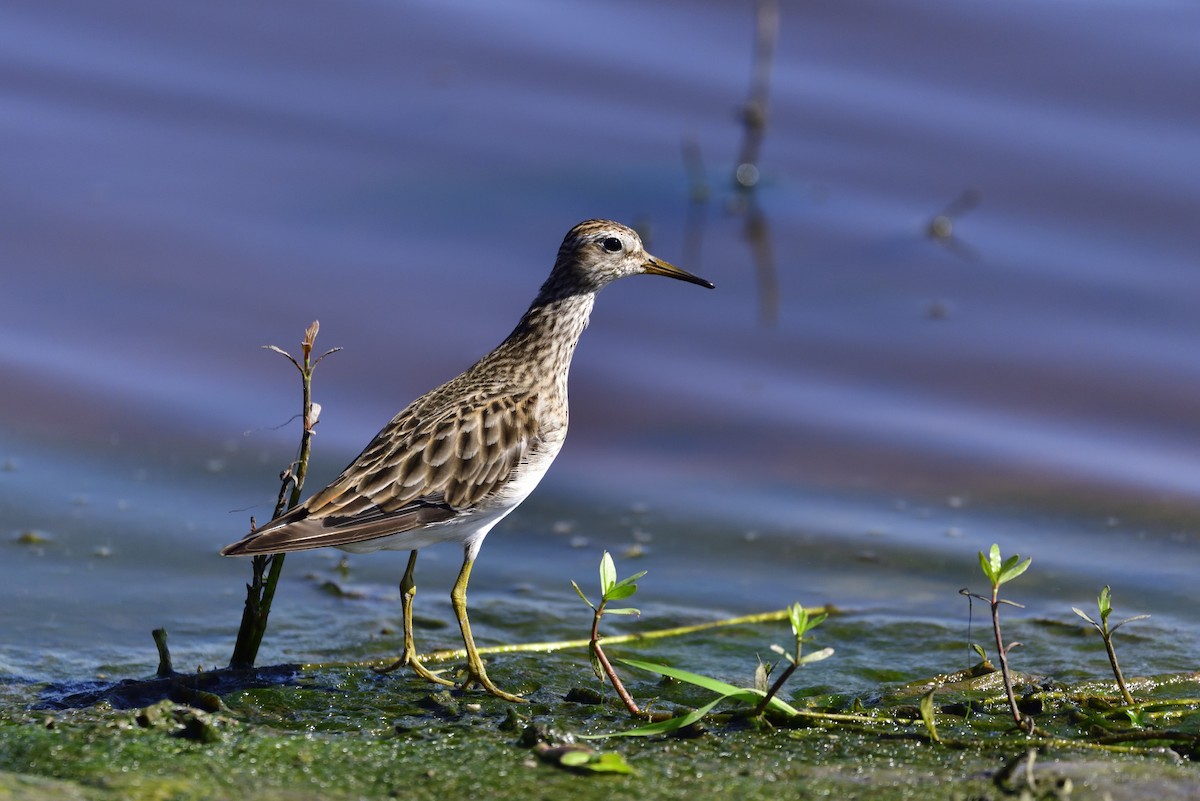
(611, 244)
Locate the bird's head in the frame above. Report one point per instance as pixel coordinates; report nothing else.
(598, 252)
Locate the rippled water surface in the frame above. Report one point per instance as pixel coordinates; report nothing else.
(182, 184)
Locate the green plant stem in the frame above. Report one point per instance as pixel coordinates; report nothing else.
(1003, 654)
(775, 688)
(165, 670)
(1112, 658)
(594, 644)
(564, 645)
(306, 435)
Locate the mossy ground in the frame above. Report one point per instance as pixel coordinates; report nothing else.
(347, 733)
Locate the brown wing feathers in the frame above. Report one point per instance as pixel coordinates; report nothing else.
(415, 472)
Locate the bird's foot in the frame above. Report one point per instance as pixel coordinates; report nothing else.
(410, 659)
(478, 676)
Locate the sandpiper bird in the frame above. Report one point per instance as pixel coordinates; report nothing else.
(461, 457)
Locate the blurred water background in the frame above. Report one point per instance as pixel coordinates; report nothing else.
(958, 306)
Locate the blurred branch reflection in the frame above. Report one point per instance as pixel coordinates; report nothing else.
(746, 174)
(941, 226)
(754, 113)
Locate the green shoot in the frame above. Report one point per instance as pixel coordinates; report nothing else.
(802, 623)
(610, 590)
(1104, 603)
(1000, 572)
(760, 695)
(724, 692)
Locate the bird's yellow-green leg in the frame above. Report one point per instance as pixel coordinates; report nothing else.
(408, 591)
(475, 672)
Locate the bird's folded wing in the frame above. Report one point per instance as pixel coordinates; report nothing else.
(297, 531)
(419, 470)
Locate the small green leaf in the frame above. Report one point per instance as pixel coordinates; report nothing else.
(1128, 620)
(608, 573)
(707, 683)
(630, 579)
(1104, 602)
(582, 759)
(1136, 717)
(1012, 569)
(798, 616)
(609, 762)
(1084, 615)
(581, 595)
(726, 690)
(985, 565)
(927, 717)
(625, 610)
(619, 592)
(816, 656)
(597, 668)
(574, 759)
(662, 726)
(762, 676)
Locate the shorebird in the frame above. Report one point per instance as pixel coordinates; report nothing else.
(460, 458)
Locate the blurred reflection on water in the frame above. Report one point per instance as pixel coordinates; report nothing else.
(184, 184)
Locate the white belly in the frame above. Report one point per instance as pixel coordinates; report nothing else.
(469, 527)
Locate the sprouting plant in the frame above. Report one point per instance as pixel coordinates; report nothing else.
(610, 590)
(998, 572)
(802, 623)
(261, 589)
(1104, 603)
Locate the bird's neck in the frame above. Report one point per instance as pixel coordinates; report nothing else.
(548, 333)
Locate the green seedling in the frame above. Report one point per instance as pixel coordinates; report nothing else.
(1104, 603)
(724, 690)
(802, 624)
(610, 590)
(763, 699)
(998, 572)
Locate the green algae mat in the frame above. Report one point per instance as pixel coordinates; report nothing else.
(344, 732)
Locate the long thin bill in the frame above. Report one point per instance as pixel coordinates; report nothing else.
(656, 266)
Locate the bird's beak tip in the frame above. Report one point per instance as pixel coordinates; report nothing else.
(656, 266)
